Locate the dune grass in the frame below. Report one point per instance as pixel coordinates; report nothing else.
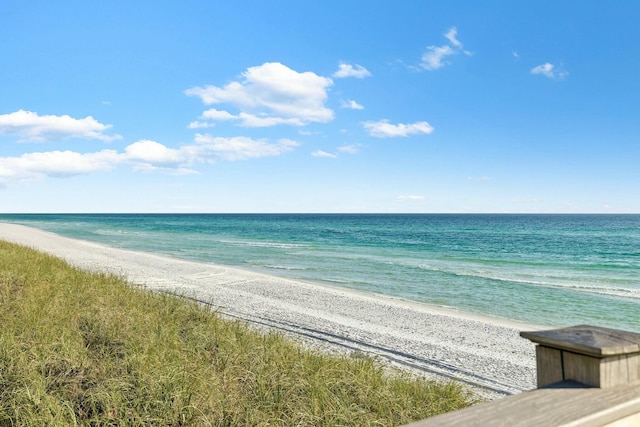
(80, 348)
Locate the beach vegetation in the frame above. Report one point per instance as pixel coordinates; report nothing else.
(87, 348)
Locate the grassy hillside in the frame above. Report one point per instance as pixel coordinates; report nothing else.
(88, 349)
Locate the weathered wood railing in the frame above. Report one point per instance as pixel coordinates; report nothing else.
(588, 376)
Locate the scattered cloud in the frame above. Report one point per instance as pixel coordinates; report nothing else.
(197, 124)
(545, 69)
(213, 114)
(515, 54)
(208, 148)
(411, 197)
(348, 70)
(384, 129)
(244, 119)
(253, 121)
(351, 104)
(32, 166)
(549, 70)
(323, 154)
(152, 152)
(350, 148)
(268, 95)
(171, 170)
(31, 127)
(151, 155)
(143, 155)
(451, 36)
(435, 56)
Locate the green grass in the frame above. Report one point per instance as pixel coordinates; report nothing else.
(79, 348)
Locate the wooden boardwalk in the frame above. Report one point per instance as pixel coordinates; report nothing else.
(587, 376)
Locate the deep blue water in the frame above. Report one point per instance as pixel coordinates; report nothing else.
(549, 269)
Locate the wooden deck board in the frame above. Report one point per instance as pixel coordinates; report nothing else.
(555, 406)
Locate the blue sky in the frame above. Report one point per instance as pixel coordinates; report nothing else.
(309, 106)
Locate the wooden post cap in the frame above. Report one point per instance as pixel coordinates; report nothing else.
(590, 355)
(588, 340)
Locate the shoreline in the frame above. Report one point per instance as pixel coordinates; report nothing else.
(439, 342)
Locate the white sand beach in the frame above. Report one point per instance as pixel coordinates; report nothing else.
(486, 353)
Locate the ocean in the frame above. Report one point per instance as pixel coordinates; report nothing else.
(555, 270)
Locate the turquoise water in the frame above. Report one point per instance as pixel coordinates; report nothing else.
(556, 270)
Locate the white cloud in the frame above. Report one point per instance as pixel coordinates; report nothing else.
(143, 155)
(545, 69)
(151, 155)
(152, 152)
(348, 70)
(56, 164)
(253, 121)
(209, 148)
(176, 171)
(244, 119)
(324, 154)
(451, 36)
(549, 70)
(350, 148)
(67, 163)
(197, 124)
(213, 114)
(384, 129)
(268, 95)
(31, 127)
(351, 104)
(435, 56)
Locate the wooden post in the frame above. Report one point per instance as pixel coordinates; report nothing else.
(590, 355)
